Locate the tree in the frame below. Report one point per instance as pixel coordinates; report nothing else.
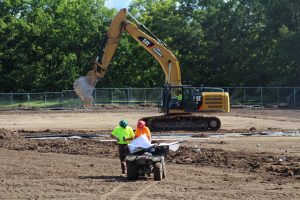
(45, 44)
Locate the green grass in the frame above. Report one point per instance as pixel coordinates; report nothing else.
(42, 104)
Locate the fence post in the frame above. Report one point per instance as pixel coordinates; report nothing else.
(127, 96)
(294, 96)
(145, 95)
(11, 98)
(244, 96)
(61, 99)
(261, 95)
(45, 97)
(28, 99)
(278, 96)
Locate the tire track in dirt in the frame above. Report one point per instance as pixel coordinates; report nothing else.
(143, 190)
(113, 191)
(136, 195)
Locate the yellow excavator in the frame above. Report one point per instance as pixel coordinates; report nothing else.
(178, 101)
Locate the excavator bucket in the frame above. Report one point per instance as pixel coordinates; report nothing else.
(84, 87)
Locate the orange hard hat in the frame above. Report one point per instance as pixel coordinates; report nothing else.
(141, 124)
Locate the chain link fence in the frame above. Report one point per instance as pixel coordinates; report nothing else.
(239, 96)
(264, 96)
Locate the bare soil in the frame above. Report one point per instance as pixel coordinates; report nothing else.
(215, 168)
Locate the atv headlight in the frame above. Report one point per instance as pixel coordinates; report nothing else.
(156, 159)
(131, 158)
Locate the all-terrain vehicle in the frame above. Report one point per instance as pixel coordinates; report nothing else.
(146, 162)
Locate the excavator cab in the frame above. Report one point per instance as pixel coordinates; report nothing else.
(188, 99)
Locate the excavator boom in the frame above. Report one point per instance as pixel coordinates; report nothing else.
(157, 49)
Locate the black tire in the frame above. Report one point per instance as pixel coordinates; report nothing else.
(164, 173)
(131, 170)
(158, 171)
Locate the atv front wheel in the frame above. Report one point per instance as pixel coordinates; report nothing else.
(158, 171)
(164, 172)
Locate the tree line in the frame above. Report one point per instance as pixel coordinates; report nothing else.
(46, 44)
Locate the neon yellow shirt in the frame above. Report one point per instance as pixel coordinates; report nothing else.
(120, 132)
(179, 97)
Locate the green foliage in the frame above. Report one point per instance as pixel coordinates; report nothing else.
(46, 44)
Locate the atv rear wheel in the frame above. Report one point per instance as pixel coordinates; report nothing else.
(158, 171)
(131, 170)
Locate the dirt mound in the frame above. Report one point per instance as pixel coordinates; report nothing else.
(15, 140)
(78, 147)
(276, 164)
(8, 135)
(256, 162)
(12, 140)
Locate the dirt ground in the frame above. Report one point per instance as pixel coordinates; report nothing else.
(249, 167)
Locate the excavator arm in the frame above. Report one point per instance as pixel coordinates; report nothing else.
(110, 44)
(161, 53)
(155, 47)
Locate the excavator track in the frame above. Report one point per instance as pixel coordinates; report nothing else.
(182, 122)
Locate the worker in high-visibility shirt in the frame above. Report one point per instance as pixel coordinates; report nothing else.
(178, 98)
(123, 134)
(142, 129)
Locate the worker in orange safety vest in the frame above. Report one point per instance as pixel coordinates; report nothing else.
(142, 129)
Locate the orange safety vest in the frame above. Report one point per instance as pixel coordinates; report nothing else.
(140, 131)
